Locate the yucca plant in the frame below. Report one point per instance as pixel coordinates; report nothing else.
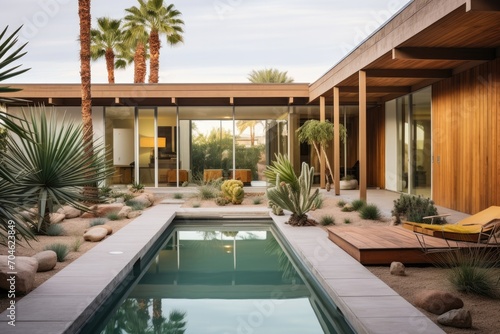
(6, 58)
(300, 201)
(55, 162)
(282, 167)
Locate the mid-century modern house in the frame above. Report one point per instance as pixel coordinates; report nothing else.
(420, 99)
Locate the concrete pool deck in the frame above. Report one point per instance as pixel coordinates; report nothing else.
(61, 304)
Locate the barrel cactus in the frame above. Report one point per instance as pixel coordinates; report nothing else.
(233, 191)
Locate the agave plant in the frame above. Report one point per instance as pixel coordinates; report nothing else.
(6, 58)
(282, 167)
(54, 160)
(300, 201)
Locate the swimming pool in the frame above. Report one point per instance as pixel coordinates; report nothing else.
(221, 277)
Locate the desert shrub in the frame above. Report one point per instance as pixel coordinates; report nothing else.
(178, 196)
(61, 250)
(318, 202)
(357, 204)
(97, 221)
(113, 216)
(135, 205)
(105, 191)
(327, 220)
(207, 191)
(196, 204)
(75, 246)
(347, 208)
(414, 208)
(257, 200)
(347, 221)
(370, 211)
(127, 197)
(341, 203)
(474, 270)
(137, 187)
(54, 230)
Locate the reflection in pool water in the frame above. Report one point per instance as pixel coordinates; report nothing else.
(223, 280)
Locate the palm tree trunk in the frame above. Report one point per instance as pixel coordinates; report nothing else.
(88, 131)
(140, 63)
(154, 56)
(110, 65)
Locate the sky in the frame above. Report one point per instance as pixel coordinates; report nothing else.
(224, 39)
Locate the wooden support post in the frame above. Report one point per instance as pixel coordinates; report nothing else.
(362, 135)
(322, 162)
(336, 139)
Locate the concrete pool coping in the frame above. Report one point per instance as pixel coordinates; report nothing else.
(64, 302)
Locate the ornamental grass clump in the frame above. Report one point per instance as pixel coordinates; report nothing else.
(414, 209)
(474, 270)
(61, 250)
(370, 211)
(97, 221)
(357, 204)
(54, 230)
(327, 220)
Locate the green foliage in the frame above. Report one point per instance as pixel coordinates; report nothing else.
(136, 206)
(414, 208)
(370, 211)
(54, 230)
(300, 201)
(347, 221)
(54, 161)
(8, 56)
(347, 177)
(257, 200)
(196, 204)
(113, 216)
(75, 246)
(127, 197)
(318, 202)
(105, 191)
(282, 166)
(232, 190)
(208, 191)
(327, 220)
(321, 133)
(60, 249)
(137, 187)
(178, 196)
(474, 270)
(347, 208)
(185, 184)
(221, 201)
(341, 203)
(269, 75)
(357, 204)
(97, 221)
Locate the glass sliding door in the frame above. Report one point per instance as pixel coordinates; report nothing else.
(414, 143)
(148, 146)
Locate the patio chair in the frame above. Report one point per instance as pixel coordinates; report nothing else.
(480, 228)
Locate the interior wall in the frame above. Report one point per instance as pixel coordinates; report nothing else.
(391, 147)
(466, 143)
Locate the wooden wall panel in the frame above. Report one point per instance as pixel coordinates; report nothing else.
(466, 143)
(376, 147)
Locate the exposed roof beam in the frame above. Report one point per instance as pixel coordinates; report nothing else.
(376, 89)
(408, 73)
(482, 5)
(444, 53)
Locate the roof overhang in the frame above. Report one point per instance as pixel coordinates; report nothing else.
(424, 43)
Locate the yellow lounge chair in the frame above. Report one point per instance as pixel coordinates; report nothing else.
(480, 227)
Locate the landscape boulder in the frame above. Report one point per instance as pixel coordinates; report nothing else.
(397, 268)
(95, 234)
(123, 213)
(56, 217)
(146, 199)
(23, 280)
(102, 210)
(46, 260)
(437, 302)
(460, 318)
(70, 212)
(134, 214)
(108, 228)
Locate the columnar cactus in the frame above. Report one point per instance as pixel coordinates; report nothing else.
(233, 191)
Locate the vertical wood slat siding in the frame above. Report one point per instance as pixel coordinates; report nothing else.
(376, 146)
(466, 121)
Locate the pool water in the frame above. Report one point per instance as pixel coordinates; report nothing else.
(224, 279)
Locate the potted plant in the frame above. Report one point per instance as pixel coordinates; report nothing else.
(348, 182)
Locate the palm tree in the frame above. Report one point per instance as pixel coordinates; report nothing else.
(88, 131)
(5, 47)
(104, 43)
(270, 75)
(135, 49)
(243, 125)
(157, 19)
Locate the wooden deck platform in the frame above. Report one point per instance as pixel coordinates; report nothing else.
(381, 245)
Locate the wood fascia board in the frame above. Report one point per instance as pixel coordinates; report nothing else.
(482, 5)
(409, 73)
(418, 16)
(425, 53)
(376, 89)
